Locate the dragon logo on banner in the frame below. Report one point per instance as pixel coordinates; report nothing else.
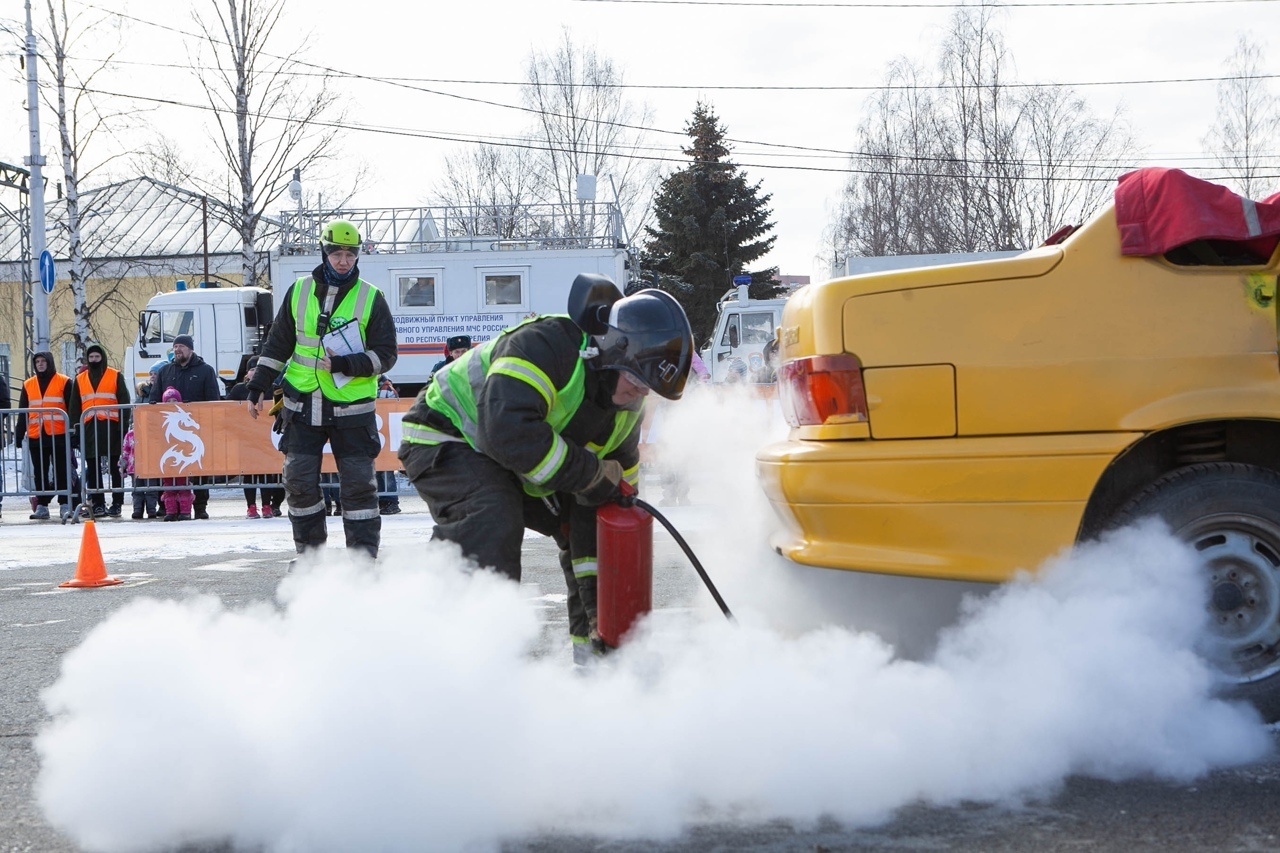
(180, 429)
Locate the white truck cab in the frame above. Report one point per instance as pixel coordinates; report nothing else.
(227, 323)
(744, 327)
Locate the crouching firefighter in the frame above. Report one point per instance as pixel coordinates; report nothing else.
(540, 425)
(333, 336)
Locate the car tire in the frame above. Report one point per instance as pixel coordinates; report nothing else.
(1230, 512)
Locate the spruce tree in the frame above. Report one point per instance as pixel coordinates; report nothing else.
(711, 224)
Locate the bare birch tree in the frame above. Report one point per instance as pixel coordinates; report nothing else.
(80, 118)
(585, 125)
(971, 163)
(1243, 137)
(268, 123)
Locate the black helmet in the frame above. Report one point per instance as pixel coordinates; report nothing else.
(648, 336)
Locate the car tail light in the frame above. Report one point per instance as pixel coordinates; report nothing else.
(822, 389)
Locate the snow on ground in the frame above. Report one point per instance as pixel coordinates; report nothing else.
(397, 707)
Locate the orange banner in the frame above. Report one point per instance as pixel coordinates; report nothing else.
(221, 439)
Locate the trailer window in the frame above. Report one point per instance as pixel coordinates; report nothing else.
(417, 291)
(503, 289)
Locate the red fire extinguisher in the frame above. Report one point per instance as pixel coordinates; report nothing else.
(624, 567)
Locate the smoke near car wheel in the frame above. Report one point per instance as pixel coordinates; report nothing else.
(1230, 513)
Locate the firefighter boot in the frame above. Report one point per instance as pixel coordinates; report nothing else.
(309, 530)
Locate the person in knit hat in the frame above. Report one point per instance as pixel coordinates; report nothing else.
(94, 404)
(177, 501)
(45, 432)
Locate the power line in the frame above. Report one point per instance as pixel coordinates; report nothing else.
(727, 88)
(506, 142)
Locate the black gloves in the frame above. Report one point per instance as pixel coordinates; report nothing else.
(255, 396)
(605, 486)
(338, 364)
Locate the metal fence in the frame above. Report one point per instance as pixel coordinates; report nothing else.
(18, 466)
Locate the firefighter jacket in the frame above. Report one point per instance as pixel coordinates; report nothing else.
(44, 390)
(102, 431)
(311, 309)
(527, 400)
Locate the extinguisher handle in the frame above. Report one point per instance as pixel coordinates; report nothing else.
(628, 493)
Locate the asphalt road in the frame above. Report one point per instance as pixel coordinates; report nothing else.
(1229, 810)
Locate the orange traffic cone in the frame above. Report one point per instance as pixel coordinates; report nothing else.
(90, 569)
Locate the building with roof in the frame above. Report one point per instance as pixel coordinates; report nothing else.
(137, 238)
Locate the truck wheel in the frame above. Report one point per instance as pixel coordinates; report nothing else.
(1230, 513)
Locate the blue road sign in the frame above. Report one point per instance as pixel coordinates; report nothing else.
(742, 279)
(46, 271)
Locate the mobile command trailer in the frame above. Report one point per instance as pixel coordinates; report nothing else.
(463, 271)
(441, 269)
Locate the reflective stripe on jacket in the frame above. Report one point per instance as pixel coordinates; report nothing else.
(54, 397)
(103, 395)
(454, 390)
(304, 373)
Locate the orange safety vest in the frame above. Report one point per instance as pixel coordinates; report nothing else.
(103, 395)
(53, 398)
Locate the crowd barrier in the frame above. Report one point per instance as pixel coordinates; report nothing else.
(214, 445)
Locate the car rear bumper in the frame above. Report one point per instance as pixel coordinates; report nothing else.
(973, 509)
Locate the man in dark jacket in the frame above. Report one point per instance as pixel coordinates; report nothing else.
(101, 431)
(332, 337)
(538, 427)
(46, 432)
(197, 382)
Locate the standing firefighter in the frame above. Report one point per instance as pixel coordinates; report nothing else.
(332, 337)
(539, 426)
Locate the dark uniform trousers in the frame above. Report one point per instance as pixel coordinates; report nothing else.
(354, 449)
(481, 506)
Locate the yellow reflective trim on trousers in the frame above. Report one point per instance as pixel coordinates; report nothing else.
(527, 372)
(584, 567)
(550, 463)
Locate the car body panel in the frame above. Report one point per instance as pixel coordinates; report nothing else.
(999, 394)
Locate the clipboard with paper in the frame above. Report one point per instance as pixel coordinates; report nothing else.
(344, 340)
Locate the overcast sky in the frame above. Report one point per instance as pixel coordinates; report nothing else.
(708, 48)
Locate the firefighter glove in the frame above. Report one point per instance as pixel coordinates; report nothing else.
(605, 486)
(338, 364)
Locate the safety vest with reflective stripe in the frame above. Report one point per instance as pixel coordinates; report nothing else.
(54, 397)
(304, 372)
(454, 390)
(100, 396)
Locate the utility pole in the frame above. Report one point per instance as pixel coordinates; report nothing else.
(39, 299)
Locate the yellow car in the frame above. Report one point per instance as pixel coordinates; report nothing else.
(965, 421)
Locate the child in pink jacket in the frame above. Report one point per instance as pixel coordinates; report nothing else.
(177, 502)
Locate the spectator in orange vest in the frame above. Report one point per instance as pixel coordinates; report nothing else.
(46, 432)
(102, 428)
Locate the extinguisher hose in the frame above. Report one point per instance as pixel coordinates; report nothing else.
(702, 573)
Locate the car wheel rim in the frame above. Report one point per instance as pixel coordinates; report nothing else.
(1242, 557)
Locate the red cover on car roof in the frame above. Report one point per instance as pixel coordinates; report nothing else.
(1160, 209)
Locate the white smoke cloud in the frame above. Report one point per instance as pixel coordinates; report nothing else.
(398, 707)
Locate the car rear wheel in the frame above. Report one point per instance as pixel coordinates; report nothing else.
(1230, 513)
